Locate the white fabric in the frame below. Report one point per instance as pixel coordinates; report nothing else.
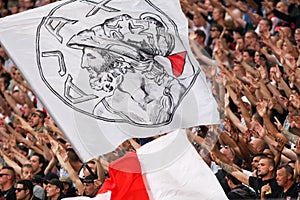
(174, 170)
(54, 47)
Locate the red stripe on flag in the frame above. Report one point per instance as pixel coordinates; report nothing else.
(126, 180)
(178, 62)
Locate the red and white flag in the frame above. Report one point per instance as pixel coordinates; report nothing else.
(168, 168)
(108, 70)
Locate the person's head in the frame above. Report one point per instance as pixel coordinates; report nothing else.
(272, 73)
(257, 57)
(27, 172)
(67, 183)
(200, 37)
(248, 55)
(54, 189)
(89, 186)
(215, 31)
(282, 7)
(37, 161)
(238, 33)
(258, 144)
(267, 8)
(251, 38)
(284, 175)
(3, 53)
(36, 119)
(240, 44)
(4, 80)
(218, 14)
(297, 36)
(14, 9)
(7, 177)
(239, 70)
(232, 181)
(48, 177)
(28, 4)
(198, 21)
(255, 160)
(24, 189)
(208, 5)
(38, 180)
(266, 168)
(22, 149)
(265, 25)
(228, 152)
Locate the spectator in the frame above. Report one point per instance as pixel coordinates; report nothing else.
(24, 190)
(37, 161)
(7, 180)
(69, 190)
(54, 190)
(285, 179)
(27, 172)
(238, 190)
(90, 188)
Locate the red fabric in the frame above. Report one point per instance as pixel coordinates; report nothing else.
(126, 181)
(177, 61)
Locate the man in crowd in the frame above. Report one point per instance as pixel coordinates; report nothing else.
(284, 178)
(266, 176)
(54, 190)
(37, 161)
(24, 190)
(89, 186)
(7, 180)
(27, 172)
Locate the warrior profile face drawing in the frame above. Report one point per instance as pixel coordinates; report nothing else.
(132, 68)
(103, 71)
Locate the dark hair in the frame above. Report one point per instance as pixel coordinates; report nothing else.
(239, 30)
(27, 184)
(200, 33)
(11, 171)
(7, 78)
(217, 26)
(288, 169)
(261, 155)
(269, 22)
(251, 52)
(42, 114)
(41, 157)
(234, 180)
(253, 33)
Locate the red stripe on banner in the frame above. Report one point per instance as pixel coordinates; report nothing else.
(126, 181)
(178, 62)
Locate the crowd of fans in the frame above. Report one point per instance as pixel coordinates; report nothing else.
(249, 51)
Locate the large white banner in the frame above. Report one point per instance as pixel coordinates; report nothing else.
(109, 70)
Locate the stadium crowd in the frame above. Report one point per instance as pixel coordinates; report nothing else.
(249, 51)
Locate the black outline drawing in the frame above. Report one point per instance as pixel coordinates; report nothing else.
(99, 6)
(123, 55)
(61, 61)
(54, 30)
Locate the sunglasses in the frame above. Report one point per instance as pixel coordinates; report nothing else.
(213, 30)
(20, 189)
(35, 115)
(3, 175)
